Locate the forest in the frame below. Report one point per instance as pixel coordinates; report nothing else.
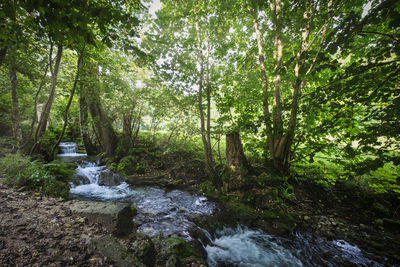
(269, 129)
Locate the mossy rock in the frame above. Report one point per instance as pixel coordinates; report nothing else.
(178, 247)
(110, 247)
(175, 252)
(142, 248)
(63, 171)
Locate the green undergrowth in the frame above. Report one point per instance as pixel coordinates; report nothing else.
(265, 202)
(327, 174)
(48, 178)
(149, 155)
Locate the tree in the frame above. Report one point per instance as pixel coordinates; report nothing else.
(189, 65)
(78, 68)
(15, 117)
(45, 114)
(204, 124)
(103, 128)
(67, 24)
(360, 103)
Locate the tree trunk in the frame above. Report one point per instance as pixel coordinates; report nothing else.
(35, 116)
(3, 52)
(15, 116)
(278, 56)
(208, 92)
(44, 118)
(264, 80)
(78, 67)
(101, 122)
(136, 125)
(236, 162)
(283, 145)
(209, 165)
(127, 126)
(84, 121)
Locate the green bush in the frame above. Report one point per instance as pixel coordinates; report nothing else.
(207, 188)
(50, 179)
(127, 166)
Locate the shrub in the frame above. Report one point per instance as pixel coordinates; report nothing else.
(50, 179)
(127, 166)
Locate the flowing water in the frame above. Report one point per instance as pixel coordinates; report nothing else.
(177, 213)
(68, 149)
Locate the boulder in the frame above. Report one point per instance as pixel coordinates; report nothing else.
(142, 248)
(109, 178)
(109, 247)
(176, 252)
(79, 179)
(117, 218)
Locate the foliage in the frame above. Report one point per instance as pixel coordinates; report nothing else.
(345, 121)
(127, 166)
(50, 179)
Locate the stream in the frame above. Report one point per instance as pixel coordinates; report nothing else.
(178, 213)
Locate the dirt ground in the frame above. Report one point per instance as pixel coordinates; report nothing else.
(41, 231)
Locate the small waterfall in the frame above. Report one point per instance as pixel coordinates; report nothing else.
(92, 185)
(68, 149)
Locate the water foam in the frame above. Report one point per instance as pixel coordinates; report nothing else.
(68, 149)
(99, 192)
(244, 247)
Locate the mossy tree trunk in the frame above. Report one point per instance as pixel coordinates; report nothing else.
(236, 162)
(84, 121)
(15, 115)
(101, 122)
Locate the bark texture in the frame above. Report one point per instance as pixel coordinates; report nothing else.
(236, 162)
(15, 115)
(101, 122)
(84, 121)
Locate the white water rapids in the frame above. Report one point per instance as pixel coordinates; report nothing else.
(175, 213)
(68, 149)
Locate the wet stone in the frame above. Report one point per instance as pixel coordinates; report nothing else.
(117, 218)
(109, 178)
(111, 248)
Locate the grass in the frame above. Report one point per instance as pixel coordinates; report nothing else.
(50, 179)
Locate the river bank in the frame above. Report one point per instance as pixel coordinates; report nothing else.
(313, 227)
